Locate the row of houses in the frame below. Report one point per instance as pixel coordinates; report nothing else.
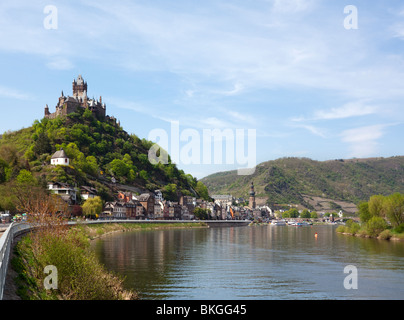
(148, 206)
(151, 205)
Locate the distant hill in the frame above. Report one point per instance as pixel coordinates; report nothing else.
(332, 184)
(99, 150)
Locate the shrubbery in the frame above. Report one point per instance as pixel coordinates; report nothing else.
(375, 226)
(80, 275)
(376, 217)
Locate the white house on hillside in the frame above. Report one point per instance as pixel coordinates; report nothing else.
(60, 158)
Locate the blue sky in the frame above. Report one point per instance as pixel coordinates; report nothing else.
(287, 68)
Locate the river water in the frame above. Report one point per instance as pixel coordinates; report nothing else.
(261, 262)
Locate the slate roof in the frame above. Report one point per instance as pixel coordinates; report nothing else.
(59, 154)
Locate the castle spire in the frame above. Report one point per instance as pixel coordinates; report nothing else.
(47, 113)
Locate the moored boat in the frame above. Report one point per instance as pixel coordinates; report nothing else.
(278, 223)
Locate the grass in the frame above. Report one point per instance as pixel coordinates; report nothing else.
(79, 274)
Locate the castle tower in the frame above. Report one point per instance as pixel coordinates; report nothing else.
(251, 202)
(80, 88)
(47, 113)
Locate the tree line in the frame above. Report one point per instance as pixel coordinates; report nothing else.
(381, 216)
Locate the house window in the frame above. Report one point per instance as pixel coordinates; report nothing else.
(65, 160)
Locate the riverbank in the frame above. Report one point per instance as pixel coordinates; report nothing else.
(80, 275)
(356, 231)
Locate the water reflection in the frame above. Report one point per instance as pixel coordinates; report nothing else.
(264, 262)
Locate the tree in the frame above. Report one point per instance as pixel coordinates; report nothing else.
(394, 208)
(90, 166)
(376, 206)
(92, 207)
(305, 214)
(43, 208)
(364, 213)
(202, 190)
(25, 177)
(144, 175)
(118, 167)
(201, 214)
(293, 213)
(170, 192)
(5, 171)
(375, 226)
(42, 144)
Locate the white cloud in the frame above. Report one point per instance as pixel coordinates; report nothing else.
(348, 110)
(292, 6)
(363, 141)
(316, 131)
(14, 94)
(60, 64)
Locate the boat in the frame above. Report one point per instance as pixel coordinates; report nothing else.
(278, 223)
(299, 223)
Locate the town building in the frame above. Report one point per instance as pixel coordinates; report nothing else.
(158, 210)
(114, 209)
(88, 192)
(60, 158)
(158, 195)
(64, 190)
(131, 209)
(147, 201)
(223, 199)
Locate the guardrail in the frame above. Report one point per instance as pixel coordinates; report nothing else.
(6, 243)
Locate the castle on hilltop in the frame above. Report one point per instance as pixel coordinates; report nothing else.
(67, 105)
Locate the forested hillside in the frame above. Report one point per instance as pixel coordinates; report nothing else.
(291, 180)
(98, 151)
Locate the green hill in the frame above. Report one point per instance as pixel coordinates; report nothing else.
(302, 180)
(99, 150)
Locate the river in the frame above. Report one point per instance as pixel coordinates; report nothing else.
(261, 262)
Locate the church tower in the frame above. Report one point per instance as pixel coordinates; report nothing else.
(251, 203)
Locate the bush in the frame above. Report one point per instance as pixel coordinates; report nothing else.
(341, 229)
(352, 227)
(80, 275)
(399, 229)
(362, 233)
(375, 226)
(385, 235)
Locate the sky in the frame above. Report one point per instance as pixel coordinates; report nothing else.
(312, 78)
